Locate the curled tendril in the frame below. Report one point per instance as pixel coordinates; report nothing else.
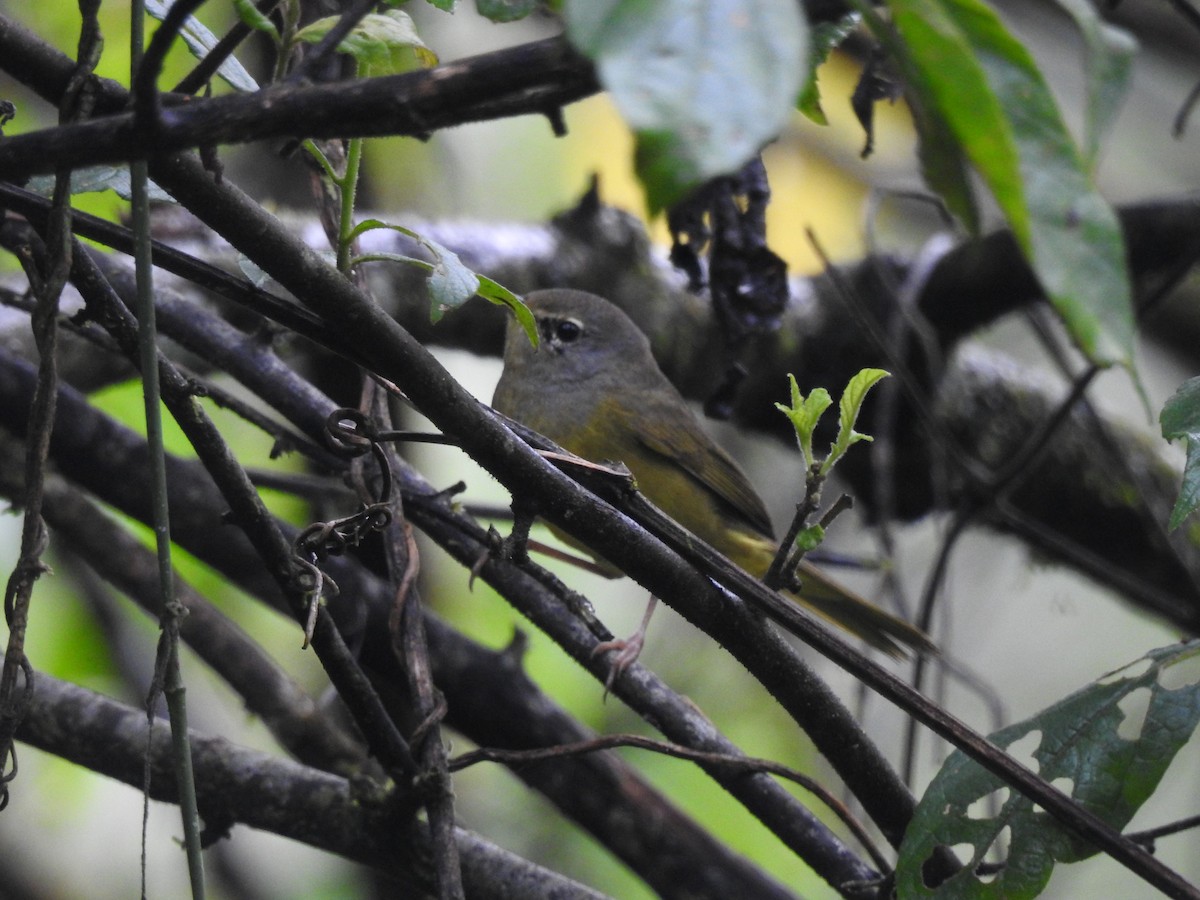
(353, 433)
(350, 431)
(375, 517)
(321, 539)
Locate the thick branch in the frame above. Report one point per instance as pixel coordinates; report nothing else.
(532, 78)
(235, 785)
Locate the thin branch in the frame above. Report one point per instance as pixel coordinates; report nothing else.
(198, 272)
(713, 760)
(48, 282)
(407, 629)
(268, 692)
(610, 800)
(317, 55)
(148, 65)
(1150, 835)
(215, 58)
(252, 516)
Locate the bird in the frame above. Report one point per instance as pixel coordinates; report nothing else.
(593, 387)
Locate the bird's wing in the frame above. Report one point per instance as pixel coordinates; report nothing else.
(677, 435)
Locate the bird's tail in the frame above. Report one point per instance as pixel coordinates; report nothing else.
(844, 608)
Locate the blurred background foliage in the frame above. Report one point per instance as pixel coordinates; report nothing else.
(70, 834)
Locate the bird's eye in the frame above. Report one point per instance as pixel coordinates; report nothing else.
(567, 330)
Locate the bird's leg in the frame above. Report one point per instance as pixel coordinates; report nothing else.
(627, 649)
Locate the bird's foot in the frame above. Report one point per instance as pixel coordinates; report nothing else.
(627, 649)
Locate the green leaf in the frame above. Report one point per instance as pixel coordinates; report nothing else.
(824, 38)
(975, 82)
(95, 179)
(664, 167)
(1110, 53)
(505, 10)
(849, 408)
(944, 165)
(810, 538)
(252, 18)
(254, 273)
(451, 284)
(1180, 420)
(200, 41)
(383, 43)
(804, 413)
(1108, 745)
(383, 256)
(497, 293)
(260, 278)
(703, 85)
(443, 5)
